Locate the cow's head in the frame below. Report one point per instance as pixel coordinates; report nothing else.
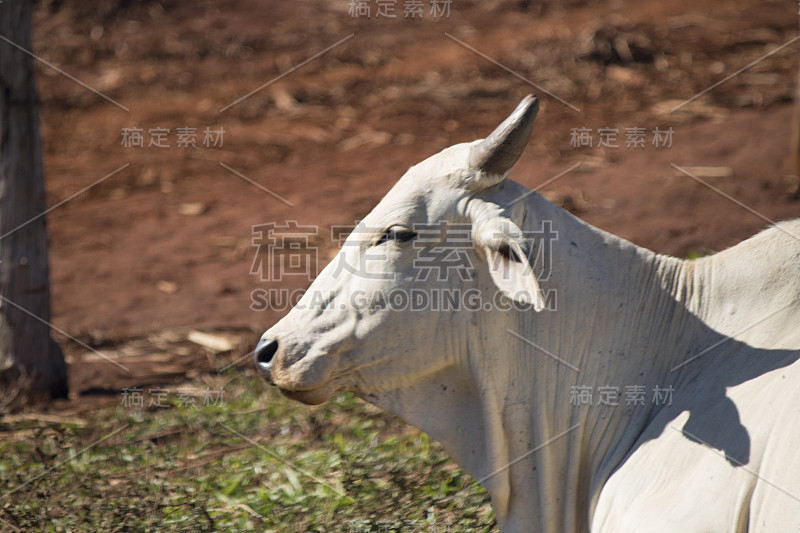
(449, 229)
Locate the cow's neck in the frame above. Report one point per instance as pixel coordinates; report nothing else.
(505, 410)
(615, 305)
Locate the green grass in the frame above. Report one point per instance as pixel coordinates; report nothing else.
(256, 462)
(697, 254)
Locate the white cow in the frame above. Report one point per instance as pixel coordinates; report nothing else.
(700, 357)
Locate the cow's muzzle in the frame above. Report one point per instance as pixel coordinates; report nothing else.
(314, 393)
(264, 354)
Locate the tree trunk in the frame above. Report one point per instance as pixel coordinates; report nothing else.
(26, 348)
(795, 148)
(796, 131)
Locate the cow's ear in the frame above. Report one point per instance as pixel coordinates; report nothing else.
(502, 242)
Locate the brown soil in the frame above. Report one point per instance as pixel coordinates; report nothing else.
(130, 257)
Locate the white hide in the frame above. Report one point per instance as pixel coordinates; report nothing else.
(722, 331)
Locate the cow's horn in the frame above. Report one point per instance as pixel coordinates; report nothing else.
(498, 152)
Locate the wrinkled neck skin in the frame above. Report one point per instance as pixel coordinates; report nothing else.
(503, 409)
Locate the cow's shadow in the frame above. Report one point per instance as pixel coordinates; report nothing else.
(701, 389)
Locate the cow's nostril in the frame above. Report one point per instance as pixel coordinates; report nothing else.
(265, 351)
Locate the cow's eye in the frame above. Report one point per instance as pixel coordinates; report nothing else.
(508, 252)
(396, 233)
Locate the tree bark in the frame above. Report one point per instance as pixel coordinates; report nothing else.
(796, 129)
(795, 147)
(26, 348)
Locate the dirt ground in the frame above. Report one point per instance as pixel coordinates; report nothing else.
(165, 243)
